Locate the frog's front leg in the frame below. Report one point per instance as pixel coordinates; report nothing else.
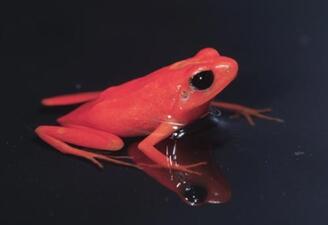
(147, 146)
(245, 111)
(59, 137)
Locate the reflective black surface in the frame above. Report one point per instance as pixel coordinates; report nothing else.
(194, 194)
(277, 172)
(195, 143)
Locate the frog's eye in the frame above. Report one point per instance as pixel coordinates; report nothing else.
(202, 80)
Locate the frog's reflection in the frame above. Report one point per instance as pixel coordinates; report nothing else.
(192, 144)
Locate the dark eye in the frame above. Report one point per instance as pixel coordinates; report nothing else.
(202, 80)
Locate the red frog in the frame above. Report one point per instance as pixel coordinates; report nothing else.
(153, 106)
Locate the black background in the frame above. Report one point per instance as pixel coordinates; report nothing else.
(278, 172)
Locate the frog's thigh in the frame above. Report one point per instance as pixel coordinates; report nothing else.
(58, 137)
(83, 136)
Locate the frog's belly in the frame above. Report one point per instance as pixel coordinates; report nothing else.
(129, 127)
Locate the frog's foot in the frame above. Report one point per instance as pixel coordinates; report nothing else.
(177, 167)
(121, 157)
(58, 137)
(188, 168)
(247, 112)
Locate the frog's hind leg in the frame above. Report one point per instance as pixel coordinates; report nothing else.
(70, 99)
(60, 138)
(245, 111)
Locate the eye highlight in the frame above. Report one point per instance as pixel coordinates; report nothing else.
(202, 80)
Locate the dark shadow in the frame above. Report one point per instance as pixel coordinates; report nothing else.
(192, 144)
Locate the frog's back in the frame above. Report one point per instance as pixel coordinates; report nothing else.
(130, 86)
(130, 109)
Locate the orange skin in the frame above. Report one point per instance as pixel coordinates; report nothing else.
(153, 106)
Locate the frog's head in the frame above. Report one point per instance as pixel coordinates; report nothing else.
(202, 77)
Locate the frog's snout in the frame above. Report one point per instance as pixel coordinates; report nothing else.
(226, 66)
